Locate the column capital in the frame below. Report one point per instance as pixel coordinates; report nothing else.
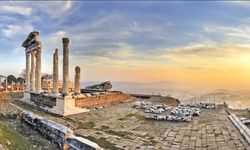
(56, 51)
(27, 50)
(39, 50)
(77, 69)
(33, 53)
(65, 41)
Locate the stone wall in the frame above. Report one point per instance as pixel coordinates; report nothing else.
(93, 101)
(43, 100)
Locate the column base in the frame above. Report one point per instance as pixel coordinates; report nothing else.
(66, 106)
(26, 95)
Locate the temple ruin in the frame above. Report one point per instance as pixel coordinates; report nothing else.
(64, 102)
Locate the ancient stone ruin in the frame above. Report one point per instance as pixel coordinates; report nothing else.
(104, 86)
(66, 102)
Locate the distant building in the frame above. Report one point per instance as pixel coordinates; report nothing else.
(47, 85)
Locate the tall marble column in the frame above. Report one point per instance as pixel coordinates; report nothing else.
(55, 72)
(65, 89)
(77, 80)
(33, 69)
(27, 70)
(38, 70)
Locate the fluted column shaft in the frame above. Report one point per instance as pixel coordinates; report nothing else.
(38, 70)
(33, 71)
(65, 89)
(77, 80)
(27, 71)
(55, 72)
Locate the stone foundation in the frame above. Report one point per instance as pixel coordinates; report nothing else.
(43, 100)
(55, 104)
(69, 105)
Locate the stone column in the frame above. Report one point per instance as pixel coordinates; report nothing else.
(11, 86)
(27, 70)
(55, 72)
(77, 80)
(38, 70)
(18, 86)
(33, 69)
(65, 89)
(6, 84)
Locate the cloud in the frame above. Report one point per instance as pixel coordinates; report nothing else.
(54, 9)
(13, 30)
(8, 9)
(239, 3)
(210, 55)
(235, 32)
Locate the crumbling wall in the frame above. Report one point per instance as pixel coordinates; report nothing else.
(43, 100)
(92, 101)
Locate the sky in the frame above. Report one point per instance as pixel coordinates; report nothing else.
(204, 44)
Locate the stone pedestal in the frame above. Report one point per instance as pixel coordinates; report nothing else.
(66, 106)
(26, 96)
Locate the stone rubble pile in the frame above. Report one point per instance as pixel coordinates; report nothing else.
(202, 105)
(181, 113)
(169, 118)
(150, 108)
(185, 111)
(244, 130)
(178, 114)
(105, 86)
(245, 121)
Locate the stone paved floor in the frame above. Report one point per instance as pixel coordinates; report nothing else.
(212, 130)
(124, 127)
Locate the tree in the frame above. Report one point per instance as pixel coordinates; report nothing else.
(20, 80)
(23, 74)
(46, 76)
(11, 78)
